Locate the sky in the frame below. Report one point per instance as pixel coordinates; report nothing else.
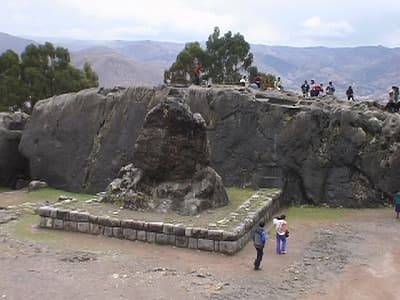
(335, 23)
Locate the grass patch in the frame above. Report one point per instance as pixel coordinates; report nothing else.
(26, 228)
(301, 213)
(49, 194)
(4, 189)
(42, 195)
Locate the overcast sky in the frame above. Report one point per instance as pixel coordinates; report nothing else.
(334, 23)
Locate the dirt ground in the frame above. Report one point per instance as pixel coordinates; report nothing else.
(352, 257)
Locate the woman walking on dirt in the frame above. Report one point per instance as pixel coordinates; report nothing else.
(397, 204)
(282, 233)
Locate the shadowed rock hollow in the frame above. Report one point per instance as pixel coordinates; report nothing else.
(13, 166)
(170, 169)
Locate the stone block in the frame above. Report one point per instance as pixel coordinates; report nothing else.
(216, 246)
(181, 241)
(179, 230)
(58, 224)
(229, 236)
(96, 228)
(93, 219)
(82, 217)
(204, 244)
(46, 222)
(199, 233)
(44, 211)
(83, 227)
(63, 214)
(228, 247)
(139, 225)
(168, 228)
(150, 237)
(127, 223)
(188, 231)
(192, 243)
(162, 238)
(155, 226)
(73, 215)
(215, 234)
(117, 232)
(141, 235)
(129, 233)
(115, 222)
(70, 225)
(108, 231)
(53, 212)
(104, 221)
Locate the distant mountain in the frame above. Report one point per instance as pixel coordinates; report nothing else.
(116, 69)
(371, 70)
(12, 42)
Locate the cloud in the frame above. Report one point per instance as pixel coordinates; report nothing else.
(391, 38)
(315, 27)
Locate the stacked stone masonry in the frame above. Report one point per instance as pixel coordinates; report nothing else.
(179, 235)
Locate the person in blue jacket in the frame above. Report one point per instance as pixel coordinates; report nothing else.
(397, 204)
(260, 237)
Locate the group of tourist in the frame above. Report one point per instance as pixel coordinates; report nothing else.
(315, 89)
(260, 238)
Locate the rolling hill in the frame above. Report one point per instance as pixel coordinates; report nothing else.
(371, 70)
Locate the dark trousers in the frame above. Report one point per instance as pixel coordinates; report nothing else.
(260, 253)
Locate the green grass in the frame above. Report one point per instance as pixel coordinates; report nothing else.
(306, 212)
(42, 195)
(50, 194)
(4, 189)
(26, 228)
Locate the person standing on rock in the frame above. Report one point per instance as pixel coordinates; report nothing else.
(282, 233)
(350, 93)
(330, 89)
(397, 204)
(260, 237)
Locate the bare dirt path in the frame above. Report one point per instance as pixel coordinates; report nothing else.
(353, 257)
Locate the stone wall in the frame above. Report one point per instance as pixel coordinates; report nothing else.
(179, 235)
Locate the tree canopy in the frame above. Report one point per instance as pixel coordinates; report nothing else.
(42, 71)
(224, 59)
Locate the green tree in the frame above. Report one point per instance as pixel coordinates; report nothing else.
(46, 71)
(229, 56)
(11, 90)
(224, 59)
(181, 70)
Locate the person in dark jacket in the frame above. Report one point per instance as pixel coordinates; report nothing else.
(260, 238)
(350, 93)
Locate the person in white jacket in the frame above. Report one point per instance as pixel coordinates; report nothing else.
(282, 234)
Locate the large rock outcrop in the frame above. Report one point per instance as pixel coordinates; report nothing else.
(79, 141)
(326, 151)
(341, 157)
(13, 165)
(170, 169)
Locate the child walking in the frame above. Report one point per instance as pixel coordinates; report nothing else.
(260, 237)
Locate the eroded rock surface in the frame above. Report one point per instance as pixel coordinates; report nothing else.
(319, 150)
(170, 169)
